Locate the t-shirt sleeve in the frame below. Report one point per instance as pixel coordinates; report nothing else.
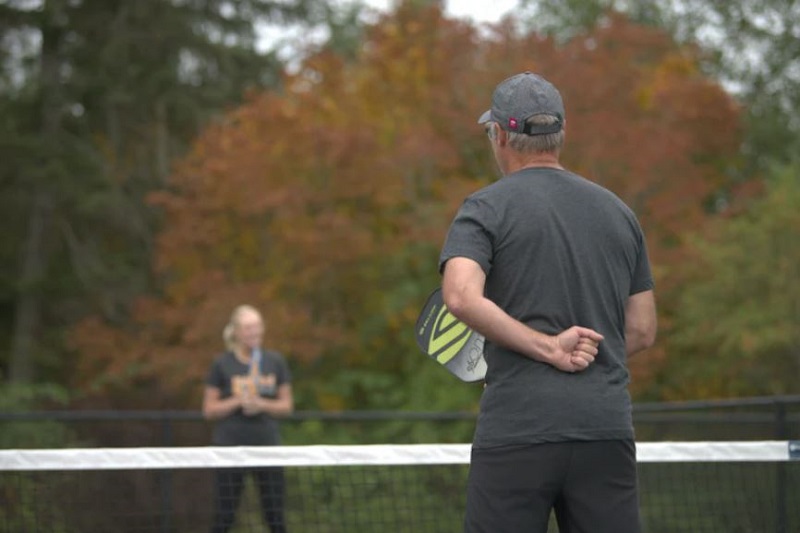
(284, 374)
(642, 279)
(215, 377)
(471, 235)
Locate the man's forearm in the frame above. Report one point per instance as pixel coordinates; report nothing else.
(485, 317)
(635, 344)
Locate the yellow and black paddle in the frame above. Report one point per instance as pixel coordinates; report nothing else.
(450, 342)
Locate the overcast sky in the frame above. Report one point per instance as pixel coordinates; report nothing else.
(477, 10)
(288, 38)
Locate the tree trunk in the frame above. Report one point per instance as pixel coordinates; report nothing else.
(34, 252)
(162, 142)
(27, 317)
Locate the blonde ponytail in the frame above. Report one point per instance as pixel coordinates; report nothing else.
(229, 336)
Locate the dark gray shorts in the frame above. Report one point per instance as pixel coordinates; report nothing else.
(591, 486)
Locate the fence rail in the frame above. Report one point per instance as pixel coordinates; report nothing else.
(758, 418)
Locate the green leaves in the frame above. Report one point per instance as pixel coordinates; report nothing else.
(325, 204)
(738, 324)
(98, 98)
(324, 195)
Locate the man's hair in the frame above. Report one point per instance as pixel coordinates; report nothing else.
(543, 143)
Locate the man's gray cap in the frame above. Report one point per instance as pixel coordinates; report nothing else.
(518, 98)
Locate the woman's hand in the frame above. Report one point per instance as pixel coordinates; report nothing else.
(252, 405)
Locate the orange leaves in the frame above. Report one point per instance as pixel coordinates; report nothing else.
(321, 203)
(643, 122)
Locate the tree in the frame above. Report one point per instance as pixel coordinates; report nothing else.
(300, 226)
(325, 204)
(751, 47)
(737, 332)
(95, 115)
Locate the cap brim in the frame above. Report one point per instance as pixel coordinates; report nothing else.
(486, 117)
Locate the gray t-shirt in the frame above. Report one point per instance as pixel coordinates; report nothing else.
(558, 251)
(227, 373)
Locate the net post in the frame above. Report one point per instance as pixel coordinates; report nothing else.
(165, 480)
(781, 433)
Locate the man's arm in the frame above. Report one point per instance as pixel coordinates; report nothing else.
(641, 323)
(462, 289)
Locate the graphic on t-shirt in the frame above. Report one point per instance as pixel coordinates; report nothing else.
(254, 384)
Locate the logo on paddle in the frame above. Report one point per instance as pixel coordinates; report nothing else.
(448, 336)
(450, 342)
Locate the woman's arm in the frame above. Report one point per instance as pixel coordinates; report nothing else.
(215, 407)
(281, 405)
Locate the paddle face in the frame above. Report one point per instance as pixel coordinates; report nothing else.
(450, 342)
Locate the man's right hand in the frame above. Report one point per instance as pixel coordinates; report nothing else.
(575, 349)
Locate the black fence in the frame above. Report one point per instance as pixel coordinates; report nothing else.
(179, 501)
(763, 418)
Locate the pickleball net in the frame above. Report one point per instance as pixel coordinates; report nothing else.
(684, 487)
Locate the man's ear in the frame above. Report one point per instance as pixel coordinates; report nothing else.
(501, 136)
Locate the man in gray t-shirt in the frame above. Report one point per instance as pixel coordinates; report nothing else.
(553, 270)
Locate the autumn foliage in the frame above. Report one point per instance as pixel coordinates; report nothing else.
(325, 204)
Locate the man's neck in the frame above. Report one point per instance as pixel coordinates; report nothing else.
(522, 161)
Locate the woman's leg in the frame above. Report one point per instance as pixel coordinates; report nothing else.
(271, 487)
(228, 484)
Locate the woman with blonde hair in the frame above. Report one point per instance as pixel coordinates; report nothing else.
(247, 389)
